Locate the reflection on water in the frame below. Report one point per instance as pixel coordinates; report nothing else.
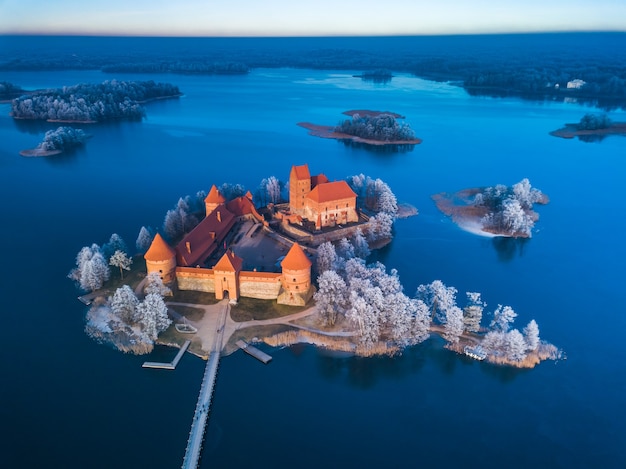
(508, 248)
(378, 149)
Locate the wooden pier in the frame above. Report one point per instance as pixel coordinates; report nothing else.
(253, 351)
(171, 365)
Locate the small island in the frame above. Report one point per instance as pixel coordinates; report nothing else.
(88, 103)
(57, 141)
(591, 127)
(285, 272)
(494, 211)
(371, 128)
(378, 76)
(9, 91)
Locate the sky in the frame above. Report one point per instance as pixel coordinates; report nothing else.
(313, 18)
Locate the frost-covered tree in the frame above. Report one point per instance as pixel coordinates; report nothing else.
(83, 256)
(380, 226)
(525, 194)
(116, 243)
(515, 345)
(345, 249)
(124, 303)
(326, 257)
(179, 220)
(144, 239)
(154, 284)
(331, 296)
(453, 327)
(120, 259)
(273, 188)
(473, 312)
(94, 272)
(361, 247)
(151, 314)
(232, 191)
(438, 298)
(531, 335)
(503, 317)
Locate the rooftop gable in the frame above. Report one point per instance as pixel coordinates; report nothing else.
(330, 191)
(229, 262)
(215, 196)
(296, 259)
(300, 172)
(159, 250)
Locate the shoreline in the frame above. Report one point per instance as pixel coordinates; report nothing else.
(36, 153)
(571, 131)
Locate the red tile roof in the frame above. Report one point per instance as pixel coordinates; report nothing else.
(215, 196)
(159, 250)
(301, 172)
(331, 191)
(319, 179)
(296, 259)
(205, 237)
(230, 262)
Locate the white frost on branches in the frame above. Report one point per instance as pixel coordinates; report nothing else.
(91, 268)
(120, 259)
(144, 239)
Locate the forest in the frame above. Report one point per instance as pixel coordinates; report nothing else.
(382, 127)
(529, 66)
(62, 139)
(85, 102)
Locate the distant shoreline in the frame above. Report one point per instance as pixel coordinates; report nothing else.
(36, 152)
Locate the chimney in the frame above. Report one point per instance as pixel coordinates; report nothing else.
(219, 216)
(188, 246)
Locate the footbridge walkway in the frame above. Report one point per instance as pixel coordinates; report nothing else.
(201, 414)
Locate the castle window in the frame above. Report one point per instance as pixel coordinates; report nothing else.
(294, 279)
(160, 271)
(336, 207)
(297, 288)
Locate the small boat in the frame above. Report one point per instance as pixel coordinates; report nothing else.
(477, 352)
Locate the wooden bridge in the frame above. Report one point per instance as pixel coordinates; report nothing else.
(253, 351)
(201, 414)
(171, 365)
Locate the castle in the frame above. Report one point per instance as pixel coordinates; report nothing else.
(313, 198)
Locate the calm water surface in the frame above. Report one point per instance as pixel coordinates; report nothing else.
(69, 402)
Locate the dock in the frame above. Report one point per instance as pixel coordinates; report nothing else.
(171, 365)
(253, 351)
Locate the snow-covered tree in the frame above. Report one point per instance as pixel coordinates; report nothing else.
(438, 298)
(453, 327)
(94, 272)
(361, 248)
(232, 191)
(515, 345)
(272, 186)
(179, 220)
(503, 317)
(345, 249)
(515, 219)
(144, 239)
(120, 259)
(331, 296)
(525, 194)
(473, 312)
(151, 314)
(326, 257)
(380, 226)
(531, 335)
(124, 303)
(154, 284)
(116, 243)
(84, 255)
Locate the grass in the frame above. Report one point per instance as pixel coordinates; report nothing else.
(189, 312)
(196, 297)
(248, 309)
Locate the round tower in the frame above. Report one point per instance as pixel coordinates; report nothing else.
(296, 268)
(161, 258)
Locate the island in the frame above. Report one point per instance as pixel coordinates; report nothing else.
(494, 211)
(591, 127)
(9, 91)
(284, 270)
(89, 103)
(57, 141)
(370, 128)
(378, 76)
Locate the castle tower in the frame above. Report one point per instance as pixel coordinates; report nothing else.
(299, 188)
(214, 199)
(161, 258)
(296, 277)
(226, 273)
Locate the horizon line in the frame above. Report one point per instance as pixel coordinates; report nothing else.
(311, 36)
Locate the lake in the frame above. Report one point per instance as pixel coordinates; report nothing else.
(70, 402)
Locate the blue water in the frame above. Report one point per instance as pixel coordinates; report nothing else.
(69, 402)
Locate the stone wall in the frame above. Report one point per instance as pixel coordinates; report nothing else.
(195, 279)
(264, 286)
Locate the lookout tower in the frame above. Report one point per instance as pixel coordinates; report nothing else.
(212, 200)
(296, 277)
(161, 258)
(299, 188)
